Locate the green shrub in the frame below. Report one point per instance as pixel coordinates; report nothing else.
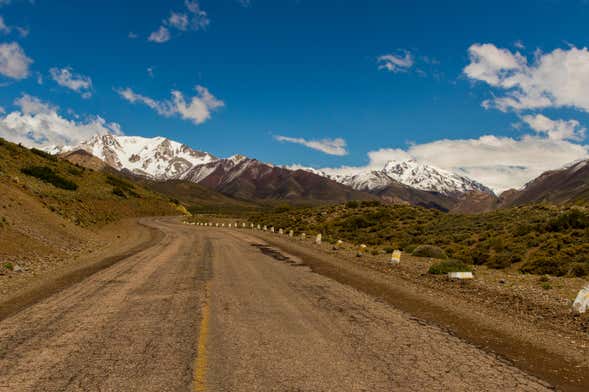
(352, 204)
(543, 266)
(435, 252)
(8, 266)
(573, 219)
(578, 270)
(46, 174)
(44, 154)
(443, 267)
(500, 260)
(119, 192)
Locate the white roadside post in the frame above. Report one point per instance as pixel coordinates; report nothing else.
(361, 250)
(280, 231)
(318, 239)
(258, 228)
(229, 225)
(222, 224)
(581, 304)
(272, 229)
(265, 228)
(460, 275)
(303, 236)
(235, 225)
(338, 244)
(243, 225)
(396, 257)
(216, 225)
(291, 234)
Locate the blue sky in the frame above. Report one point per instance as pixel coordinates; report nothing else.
(358, 83)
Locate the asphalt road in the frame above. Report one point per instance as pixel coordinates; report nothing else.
(205, 309)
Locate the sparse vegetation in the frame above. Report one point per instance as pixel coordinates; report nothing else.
(537, 239)
(435, 252)
(48, 175)
(44, 154)
(443, 267)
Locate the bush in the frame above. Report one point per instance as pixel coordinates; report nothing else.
(573, 219)
(44, 154)
(435, 252)
(543, 266)
(46, 174)
(578, 270)
(500, 260)
(443, 267)
(352, 204)
(119, 192)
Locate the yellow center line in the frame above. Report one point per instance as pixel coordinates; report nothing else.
(200, 365)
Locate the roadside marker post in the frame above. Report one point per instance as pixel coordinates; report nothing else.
(361, 250)
(243, 225)
(258, 228)
(291, 234)
(265, 228)
(318, 239)
(303, 236)
(280, 231)
(460, 275)
(396, 257)
(272, 229)
(581, 304)
(229, 225)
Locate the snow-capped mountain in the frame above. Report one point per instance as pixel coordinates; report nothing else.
(158, 158)
(411, 173)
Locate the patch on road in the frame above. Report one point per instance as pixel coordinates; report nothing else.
(277, 255)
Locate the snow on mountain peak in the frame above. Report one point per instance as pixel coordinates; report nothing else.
(157, 157)
(412, 173)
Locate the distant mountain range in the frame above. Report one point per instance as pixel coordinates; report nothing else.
(162, 160)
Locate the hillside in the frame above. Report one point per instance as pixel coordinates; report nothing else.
(539, 239)
(569, 184)
(49, 207)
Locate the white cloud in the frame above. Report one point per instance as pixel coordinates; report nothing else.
(38, 124)
(555, 79)
(328, 146)
(197, 109)
(67, 78)
(195, 18)
(178, 21)
(555, 129)
(14, 63)
(160, 36)
(23, 31)
(150, 71)
(132, 35)
(199, 18)
(3, 27)
(498, 162)
(396, 62)
(245, 3)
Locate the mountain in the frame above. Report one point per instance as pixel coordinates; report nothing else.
(162, 160)
(250, 179)
(158, 158)
(569, 184)
(416, 175)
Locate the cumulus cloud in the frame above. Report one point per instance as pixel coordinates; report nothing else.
(38, 124)
(14, 63)
(197, 109)
(65, 77)
(328, 146)
(160, 36)
(192, 18)
(396, 62)
(3, 27)
(551, 80)
(555, 129)
(500, 163)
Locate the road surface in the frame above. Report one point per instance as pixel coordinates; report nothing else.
(205, 309)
